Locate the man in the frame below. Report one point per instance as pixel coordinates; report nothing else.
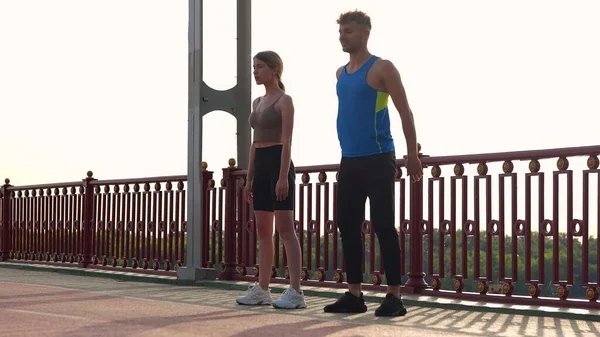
(368, 165)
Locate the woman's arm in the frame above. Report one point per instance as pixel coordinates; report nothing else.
(250, 175)
(287, 126)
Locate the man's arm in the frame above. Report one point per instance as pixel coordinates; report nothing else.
(393, 85)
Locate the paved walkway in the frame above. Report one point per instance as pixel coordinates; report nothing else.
(42, 303)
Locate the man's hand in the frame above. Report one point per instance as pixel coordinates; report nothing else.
(414, 168)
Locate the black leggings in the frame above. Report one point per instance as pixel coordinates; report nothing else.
(267, 164)
(373, 177)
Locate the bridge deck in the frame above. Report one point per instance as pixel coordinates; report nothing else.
(59, 304)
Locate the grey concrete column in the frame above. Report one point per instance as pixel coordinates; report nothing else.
(203, 99)
(243, 98)
(193, 270)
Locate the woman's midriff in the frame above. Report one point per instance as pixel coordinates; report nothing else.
(265, 144)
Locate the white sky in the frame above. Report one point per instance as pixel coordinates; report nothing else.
(102, 86)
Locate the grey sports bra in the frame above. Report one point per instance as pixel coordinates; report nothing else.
(266, 124)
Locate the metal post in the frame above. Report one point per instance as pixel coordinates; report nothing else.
(193, 259)
(243, 99)
(203, 99)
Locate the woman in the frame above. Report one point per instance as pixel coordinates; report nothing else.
(271, 182)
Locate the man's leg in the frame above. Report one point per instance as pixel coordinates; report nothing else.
(381, 193)
(351, 198)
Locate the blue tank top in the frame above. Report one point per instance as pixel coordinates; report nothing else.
(363, 120)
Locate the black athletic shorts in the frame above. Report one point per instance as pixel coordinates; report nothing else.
(267, 162)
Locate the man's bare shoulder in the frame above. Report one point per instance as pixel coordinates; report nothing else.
(383, 66)
(339, 72)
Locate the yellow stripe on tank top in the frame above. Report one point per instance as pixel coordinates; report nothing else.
(380, 104)
(382, 100)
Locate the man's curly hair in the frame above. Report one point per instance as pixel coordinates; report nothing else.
(357, 16)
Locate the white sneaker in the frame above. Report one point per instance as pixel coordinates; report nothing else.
(256, 296)
(290, 300)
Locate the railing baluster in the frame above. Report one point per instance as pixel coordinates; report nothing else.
(87, 222)
(6, 221)
(230, 267)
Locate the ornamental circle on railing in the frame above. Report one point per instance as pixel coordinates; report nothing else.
(459, 169)
(508, 166)
(482, 169)
(366, 227)
(305, 178)
(519, 227)
(329, 226)
(436, 171)
(296, 226)
(398, 173)
(591, 293)
(405, 227)
(250, 227)
(576, 227)
(534, 166)
(469, 227)
(593, 162)
(534, 290)
(493, 227)
(445, 227)
(312, 226)
(482, 287)
(562, 164)
(424, 227)
(548, 226)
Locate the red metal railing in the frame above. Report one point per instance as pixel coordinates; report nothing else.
(471, 234)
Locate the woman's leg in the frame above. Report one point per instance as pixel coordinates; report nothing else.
(260, 294)
(264, 227)
(262, 202)
(284, 223)
(292, 298)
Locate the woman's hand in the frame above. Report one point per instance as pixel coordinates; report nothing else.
(281, 189)
(248, 190)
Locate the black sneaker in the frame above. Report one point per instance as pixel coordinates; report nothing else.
(347, 304)
(390, 307)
